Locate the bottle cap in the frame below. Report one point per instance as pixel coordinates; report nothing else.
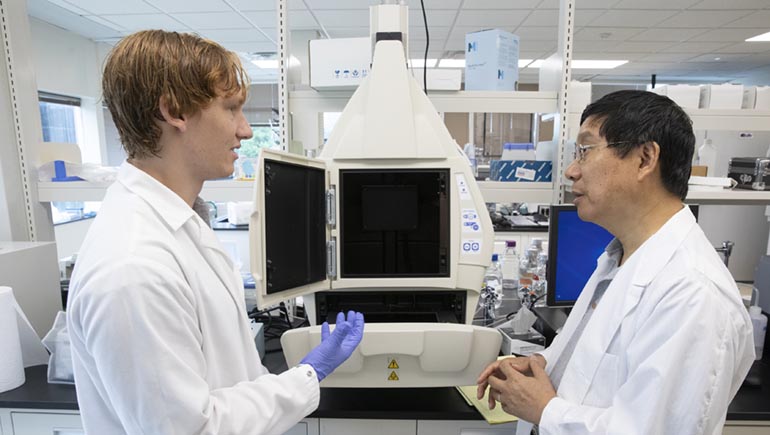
(510, 243)
(494, 257)
(755, 310)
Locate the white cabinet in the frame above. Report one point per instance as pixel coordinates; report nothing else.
(746, 428)
(308, 426)
(333, 426)
(43, 422)
(54, 422)
(463, 427)
(338, 426)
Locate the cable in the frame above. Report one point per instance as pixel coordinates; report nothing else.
(532, 303)
(427, 44)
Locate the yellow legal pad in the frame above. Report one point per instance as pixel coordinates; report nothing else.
(492, 416)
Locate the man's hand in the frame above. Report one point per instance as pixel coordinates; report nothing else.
(337, 346)
(521, 364)
(520, 385)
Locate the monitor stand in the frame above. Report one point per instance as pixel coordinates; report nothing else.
(550, 320)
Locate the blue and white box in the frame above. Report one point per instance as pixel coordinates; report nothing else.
(520, 170)
(491, 61)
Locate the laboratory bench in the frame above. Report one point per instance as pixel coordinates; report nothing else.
(422, 411)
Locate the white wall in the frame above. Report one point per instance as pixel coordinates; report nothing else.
(68, 64)
(745, 225)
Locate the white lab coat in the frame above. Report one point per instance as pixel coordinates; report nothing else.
(160, 339)
(666, 349)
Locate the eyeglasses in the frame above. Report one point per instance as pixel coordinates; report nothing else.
(580, 149)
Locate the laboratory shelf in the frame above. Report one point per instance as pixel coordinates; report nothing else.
(49, 191)
(728, 196)
(722, 197)
(454, 101)
(706, 119)
(219, 190)
(505, 191)
(732, 120)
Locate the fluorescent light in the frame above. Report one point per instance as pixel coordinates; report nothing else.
(597, 64)
(765, 37)
(266, 63)
(451, 63)
(460, 63)
(536, 64)
(418, 63)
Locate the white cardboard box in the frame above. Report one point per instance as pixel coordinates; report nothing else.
(337, 64)
(579, 96)
(723, 97)
(686, 96)
(762, 98)
(749, 97)
(491, 61)
(440, 79)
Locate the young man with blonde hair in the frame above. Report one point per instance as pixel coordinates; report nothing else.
(160, 339)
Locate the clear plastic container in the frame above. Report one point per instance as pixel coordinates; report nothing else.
(509, 266)
(493, 281)
(518, 151)
(707, 156)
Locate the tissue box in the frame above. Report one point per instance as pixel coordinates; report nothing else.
(520, 170)
(521, 344)
(491, 61)
(727, 97)
(686, 96)
(238, 213)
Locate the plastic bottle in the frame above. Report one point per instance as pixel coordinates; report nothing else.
(527, 265)
(493, 280)
(759, 322)
(470, 151)
(509, 266)
(539, 280)
(707, 156)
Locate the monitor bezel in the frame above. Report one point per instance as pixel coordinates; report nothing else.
(553, 246)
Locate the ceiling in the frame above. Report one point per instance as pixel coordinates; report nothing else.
(678, 40)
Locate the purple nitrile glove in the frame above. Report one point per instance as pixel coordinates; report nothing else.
(336, 347)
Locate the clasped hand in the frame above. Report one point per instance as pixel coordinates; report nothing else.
(520, 385)
(337, 346)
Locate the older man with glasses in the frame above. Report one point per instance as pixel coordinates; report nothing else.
(659, 340)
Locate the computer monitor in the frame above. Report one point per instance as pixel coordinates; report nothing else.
(573, 248)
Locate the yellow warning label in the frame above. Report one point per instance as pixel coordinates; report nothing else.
(393, 364)
(393, 376)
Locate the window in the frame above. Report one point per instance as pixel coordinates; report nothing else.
(265, 136)
(60, 117)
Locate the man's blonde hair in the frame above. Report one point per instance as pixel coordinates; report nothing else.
(187, 71)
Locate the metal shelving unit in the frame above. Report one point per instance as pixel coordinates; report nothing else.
(219, 190)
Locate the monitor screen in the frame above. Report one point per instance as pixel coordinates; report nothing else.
(573, 248)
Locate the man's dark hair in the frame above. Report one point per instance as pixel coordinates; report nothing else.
(633, 118)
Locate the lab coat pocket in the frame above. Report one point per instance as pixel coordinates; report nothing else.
(605, 382)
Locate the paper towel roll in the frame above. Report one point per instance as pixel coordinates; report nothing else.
(11, 363)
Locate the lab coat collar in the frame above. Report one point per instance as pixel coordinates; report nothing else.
(169, 206)
(618, 301)
(663, 243)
